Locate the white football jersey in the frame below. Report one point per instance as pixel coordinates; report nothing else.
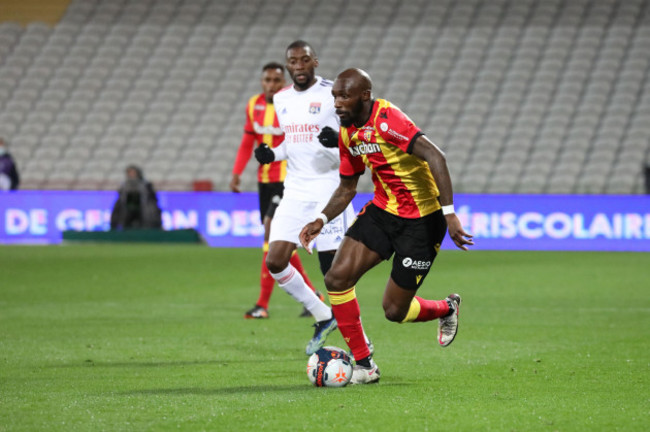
(312, 169)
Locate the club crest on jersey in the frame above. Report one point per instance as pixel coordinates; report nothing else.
(367, 135)
(314, 108)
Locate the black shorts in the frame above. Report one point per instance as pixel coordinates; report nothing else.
(415, 242)
(269, 195)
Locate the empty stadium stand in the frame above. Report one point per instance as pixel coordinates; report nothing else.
(524, 96)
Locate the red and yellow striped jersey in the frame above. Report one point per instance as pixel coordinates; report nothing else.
(403, 183)
(261, 127)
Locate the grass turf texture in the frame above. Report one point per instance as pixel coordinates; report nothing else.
(132, 337)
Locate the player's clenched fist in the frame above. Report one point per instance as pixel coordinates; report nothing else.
(264, 154)
(328, 137)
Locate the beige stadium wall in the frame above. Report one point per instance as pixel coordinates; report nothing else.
(26, 11)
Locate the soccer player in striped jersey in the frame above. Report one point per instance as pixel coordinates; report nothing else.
(410, 213)
(262, 127)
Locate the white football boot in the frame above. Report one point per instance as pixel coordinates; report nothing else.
(448, 325)
(365, 375)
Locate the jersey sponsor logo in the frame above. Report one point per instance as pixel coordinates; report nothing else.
(397, 135)
(263, 130)
(259, 107)
(364, 149)
(314, 108)
(385, 128)
(299, 133)
(301, 128)
(416, 265)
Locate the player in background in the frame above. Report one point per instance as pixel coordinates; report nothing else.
(411, 211)
(306, 115)
(262, 127)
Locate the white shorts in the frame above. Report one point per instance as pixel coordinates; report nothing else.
(292, 215)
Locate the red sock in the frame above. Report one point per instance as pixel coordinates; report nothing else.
(266, 285)
(345, 308)
(431, 309)
(297, 264)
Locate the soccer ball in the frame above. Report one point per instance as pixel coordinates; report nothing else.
(329, 367)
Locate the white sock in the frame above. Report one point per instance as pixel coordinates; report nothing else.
(292, 282)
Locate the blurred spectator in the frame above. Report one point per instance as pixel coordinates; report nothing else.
(137, 204)
(9, 178)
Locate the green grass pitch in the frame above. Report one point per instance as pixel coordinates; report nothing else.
(152, 338)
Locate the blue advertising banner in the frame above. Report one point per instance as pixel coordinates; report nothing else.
(498, 222)
(557, 222)
(223, 219)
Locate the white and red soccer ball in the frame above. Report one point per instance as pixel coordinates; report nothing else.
(329, 367)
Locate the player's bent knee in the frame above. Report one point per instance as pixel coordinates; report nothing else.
(332, 283)
(394, 313)
(335, 281)
(275, 265)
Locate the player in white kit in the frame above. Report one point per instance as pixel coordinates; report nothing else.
(306, 114)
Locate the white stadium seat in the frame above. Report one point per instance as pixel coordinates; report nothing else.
(524, 84)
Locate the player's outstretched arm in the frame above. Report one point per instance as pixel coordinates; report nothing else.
(430, 152)
(340, 199)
